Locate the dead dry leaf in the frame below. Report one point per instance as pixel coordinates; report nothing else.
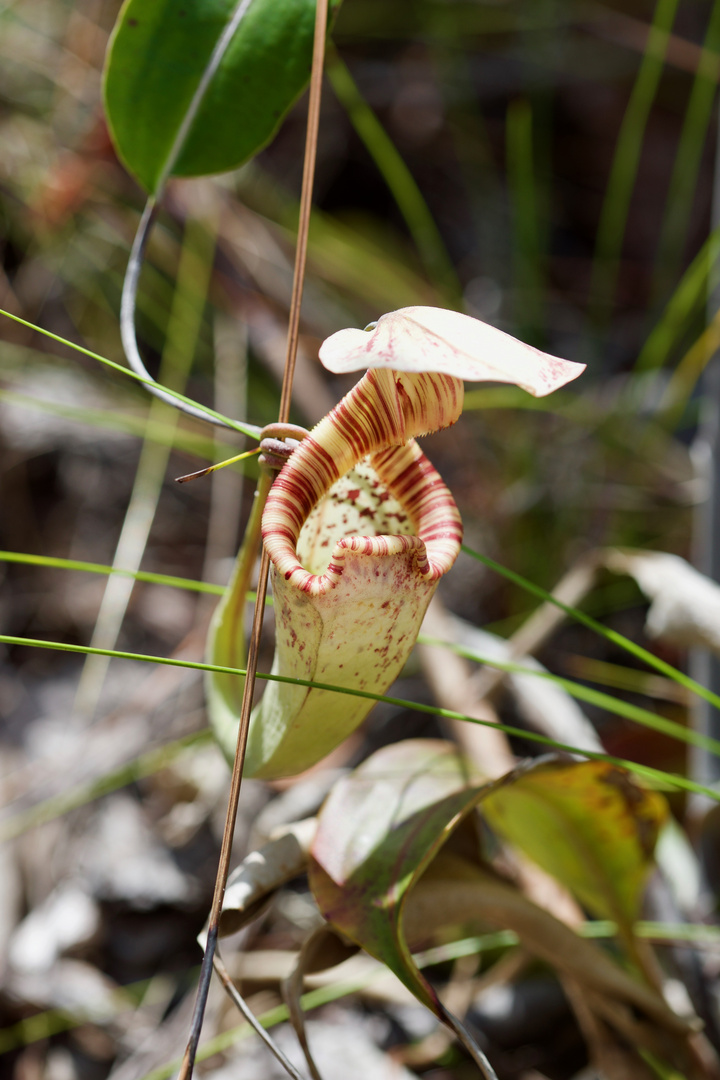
(685, 606)
(262, 872)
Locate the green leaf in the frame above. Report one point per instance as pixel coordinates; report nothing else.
(378, 830)
(589, 825)
(378, 873)
(158, 53)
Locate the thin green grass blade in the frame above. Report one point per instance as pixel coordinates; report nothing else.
(653, 776)
(526, 224)
(100, 568)
(184, 326)
(503, 939)
(53, 1021)
(698, 115)
(581, 692)
(245, 429)
(616, 205)
(593, 697)
(587, 620)
(397, 176)
(689, 296)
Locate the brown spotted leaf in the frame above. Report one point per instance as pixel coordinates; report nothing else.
(589, 825)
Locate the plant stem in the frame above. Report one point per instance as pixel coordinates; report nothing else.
(313, 123)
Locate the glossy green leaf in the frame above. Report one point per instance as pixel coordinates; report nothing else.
(158, 53)
(589, 825)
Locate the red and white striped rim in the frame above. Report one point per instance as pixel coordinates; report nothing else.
(379, 417)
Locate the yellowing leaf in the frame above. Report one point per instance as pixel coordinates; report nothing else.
(589, 825)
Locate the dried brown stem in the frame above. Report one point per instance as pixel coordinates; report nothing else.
(313, 121)
(239, 1001)
(311, 139)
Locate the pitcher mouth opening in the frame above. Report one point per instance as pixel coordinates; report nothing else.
(418, 507)
(378, 420)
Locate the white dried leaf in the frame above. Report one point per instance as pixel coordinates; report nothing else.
(72, 986)
(122, 859)
(685, 606)
(262, 872)
(67, 918)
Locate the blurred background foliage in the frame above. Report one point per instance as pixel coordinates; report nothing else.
(546, 165)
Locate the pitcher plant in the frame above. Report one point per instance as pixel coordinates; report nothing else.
(359, 528)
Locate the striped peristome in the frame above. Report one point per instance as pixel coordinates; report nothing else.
(384, 411)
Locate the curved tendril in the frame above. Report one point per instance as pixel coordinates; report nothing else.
(132, 274)
(127, 320)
